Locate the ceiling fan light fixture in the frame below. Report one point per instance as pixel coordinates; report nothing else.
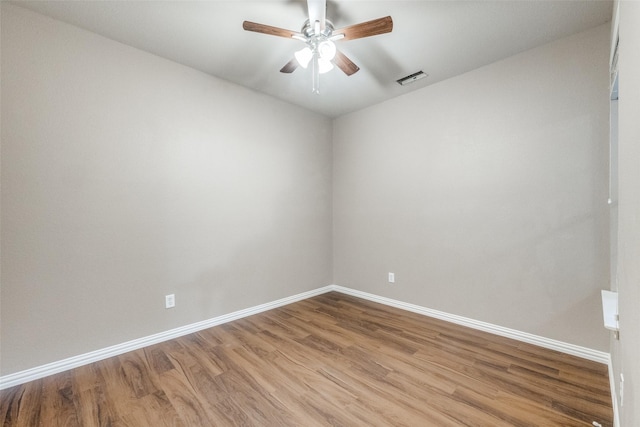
(327, 50)
(303, 56)
(324, 65)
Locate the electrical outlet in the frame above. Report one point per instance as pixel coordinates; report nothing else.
(169, 301)
(392, 278)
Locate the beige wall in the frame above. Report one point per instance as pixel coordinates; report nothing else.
(629, 212)
(126, 177)
(486, 194)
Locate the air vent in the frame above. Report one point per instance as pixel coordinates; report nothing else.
(412, 78)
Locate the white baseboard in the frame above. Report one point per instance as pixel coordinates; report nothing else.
(94, 356)
(614, 397)
(575, 350)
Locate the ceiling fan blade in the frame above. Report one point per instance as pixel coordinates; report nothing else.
(317, 12)
(345, 64)
(290, 66)
(367, 29)
(267, 29)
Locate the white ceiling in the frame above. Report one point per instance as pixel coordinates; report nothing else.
(443, 38)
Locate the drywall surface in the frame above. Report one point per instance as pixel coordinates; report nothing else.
(486, 194)
(629, 213)
(126, 177)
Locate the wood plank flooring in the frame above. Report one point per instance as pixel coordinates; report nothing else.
(331, 360)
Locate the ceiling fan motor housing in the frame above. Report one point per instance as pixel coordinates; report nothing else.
(309, 30)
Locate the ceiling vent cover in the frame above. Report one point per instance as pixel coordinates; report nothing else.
(412, 78)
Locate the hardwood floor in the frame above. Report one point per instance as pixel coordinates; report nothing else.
(332, 360)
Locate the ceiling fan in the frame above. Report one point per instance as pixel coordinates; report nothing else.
(319, 35)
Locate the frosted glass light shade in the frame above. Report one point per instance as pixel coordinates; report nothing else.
(303, 57)
(327, 50)
(324, 65)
